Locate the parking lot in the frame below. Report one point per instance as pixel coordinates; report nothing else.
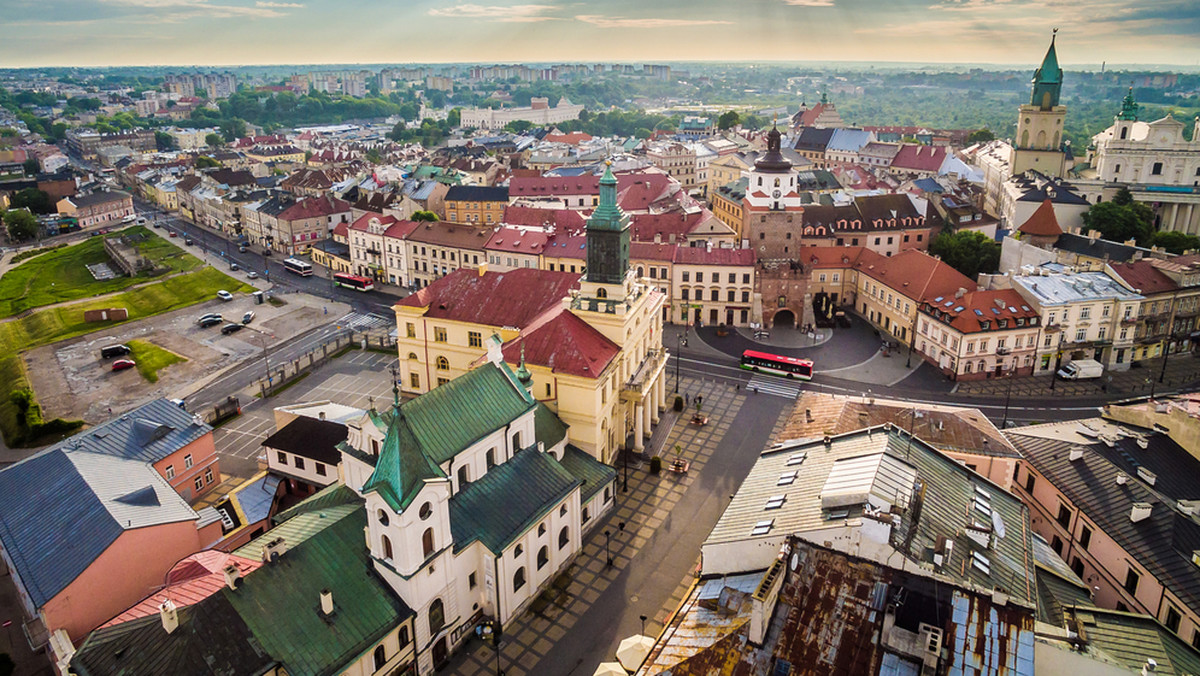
(358, 379)
(72, 381)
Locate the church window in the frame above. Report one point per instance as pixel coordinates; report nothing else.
(382, 517)
(439, 334)
(543, 558)
(541, 529)
(464, 477)
(437, 616)
(602, 293)
(518, 550)
(490, 458)
(380, 657)
(1156, 170)
(760, 180)
(516, 442)
(762, 235)
(471, 581)
(426, 511)
(1124, 133)
(412, 356)
(776, 183)
(443, 364)
(475, 339)
(427, 543)
(519, 578)
(387, 548)
(564, 537)
(415, 380)
(411, 330)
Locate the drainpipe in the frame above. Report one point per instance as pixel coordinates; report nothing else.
(425, 342)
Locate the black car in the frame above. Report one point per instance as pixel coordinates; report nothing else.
(110, 351)
(230, 328)
(209, 321)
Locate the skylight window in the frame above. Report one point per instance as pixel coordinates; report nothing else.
(979, 312)
(983, 506)
(959, 308)
(786, 479)
(776, 501)
(763, 527)
(796, 459)
(981, 563)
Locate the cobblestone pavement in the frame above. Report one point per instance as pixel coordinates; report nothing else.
(1141, 380)
(645, 511)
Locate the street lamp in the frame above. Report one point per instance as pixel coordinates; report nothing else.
(1012, 371)
(681, 342)
(607, 547)
(490, 629)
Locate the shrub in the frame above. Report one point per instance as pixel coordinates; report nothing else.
(678, 403)
(655, 464)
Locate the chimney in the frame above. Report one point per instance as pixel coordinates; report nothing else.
(169, 615)
(1146, 475)
(320, 415)
(1076, 454)
(1150, 667)
(232, 575)
(326, 602)
(483, 268)
(1140, 512)
(273, 550)
(1121, 478)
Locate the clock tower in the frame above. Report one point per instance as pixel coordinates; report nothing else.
(607, 236)
(1040, 124)
(773, 181)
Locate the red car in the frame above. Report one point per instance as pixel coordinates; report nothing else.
(122, 364)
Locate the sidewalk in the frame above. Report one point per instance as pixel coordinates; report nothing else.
(1141, 380)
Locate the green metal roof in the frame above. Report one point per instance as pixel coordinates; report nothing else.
(297, 529)
(333, 495)
(608, 214)
(547, 426)
(280, 602)
(591, 473)
(403, 466)
(508, 500)
(1130, 638)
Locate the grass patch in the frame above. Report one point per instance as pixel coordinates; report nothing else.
(66, 321)
(61, 274)
(150, 358)
(30, 253)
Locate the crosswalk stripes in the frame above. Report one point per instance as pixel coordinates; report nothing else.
(773, 386)
(358, 321)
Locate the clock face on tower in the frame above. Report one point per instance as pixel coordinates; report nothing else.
(776, 194)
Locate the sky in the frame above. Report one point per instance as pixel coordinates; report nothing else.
(244, 32)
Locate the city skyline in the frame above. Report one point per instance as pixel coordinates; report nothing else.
(271, 32)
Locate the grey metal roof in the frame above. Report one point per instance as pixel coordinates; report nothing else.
(148, 433)
(849, 140)
(1098, 248)
(1061, 289)
(951, 499)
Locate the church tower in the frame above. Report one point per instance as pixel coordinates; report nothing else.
(607, 246)
(1040, 124)
(772, 180)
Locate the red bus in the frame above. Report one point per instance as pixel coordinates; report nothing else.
(792, 367)
(353, 281)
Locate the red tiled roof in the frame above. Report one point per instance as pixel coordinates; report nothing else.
(441, 233)
(809, 117)
(643, 227)
(364, 221)
(916, 274)
(1043, 222)
(553, 186)
(190, 581)
(1143, 276)
(992, 305)
(314, 207)
(517, 240)
(826, 257)
(341, 230)
(574, 138)
(919, 158)
(514, 298)
(401, 229)
(565, 344)
(636, 192)
(565, 220)
(698, 255)
(567, 246)
(649, 251)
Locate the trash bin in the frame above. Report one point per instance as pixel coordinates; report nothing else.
(258, 297)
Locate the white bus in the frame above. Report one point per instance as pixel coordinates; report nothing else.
(302, 268)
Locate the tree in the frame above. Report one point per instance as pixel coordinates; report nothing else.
(967, 251)
(32, 199)
(425, 216)
(21, 224)
(164, 141)
(206, 162)
(454, 117)
(374, 157)
(1176, 242)
(1123, 197)
(980, 136)
(1121, 222)
(8, 132)
(31, 167)
(728, 120)
(214, 140)
(232, 130)
(518, 126)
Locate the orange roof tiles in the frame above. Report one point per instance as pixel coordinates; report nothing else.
(565, 344)
(1042, 223)
(514, 298)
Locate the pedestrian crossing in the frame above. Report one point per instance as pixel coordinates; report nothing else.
(358, 321)
(774, 386)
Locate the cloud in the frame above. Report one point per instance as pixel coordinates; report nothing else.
(500, 13)
(809, 3)
(185, 9)
(622, 22)
(279, 5)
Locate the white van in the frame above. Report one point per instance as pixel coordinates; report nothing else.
(1081, 369)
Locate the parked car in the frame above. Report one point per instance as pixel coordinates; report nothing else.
(188, 241)
(110, 351)
(210, 321)
(252, 274)
(234, 267)
(129, 219)
(230, 328)
(224, 295)
(174, 234)
(210, 315)
(140, 221)
(158, 226)
(241, 249)
(122, 364)
(1081, 369)
(248, 317)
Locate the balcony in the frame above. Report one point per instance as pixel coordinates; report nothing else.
(644, 374)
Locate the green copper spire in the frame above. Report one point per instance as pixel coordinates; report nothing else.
(825, 97)
(607, 235)
(1047, 79)
(523, 373)
(403, 467)
(1129, 108)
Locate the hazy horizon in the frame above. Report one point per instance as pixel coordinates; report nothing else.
(224, 33)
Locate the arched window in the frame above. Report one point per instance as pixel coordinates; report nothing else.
(380, 657)
(443, 364)
(387, 548)
(382, 517)
(564, 537)
(519, 578)
(543, 558)
(601, 293)
(412, 356)
(1124, 133)
(427, 543)
(641, 272)
(437, 616)
(463, 477)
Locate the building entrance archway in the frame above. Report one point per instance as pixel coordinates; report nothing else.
(784, 318)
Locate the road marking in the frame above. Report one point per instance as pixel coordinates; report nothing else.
(768, 385)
